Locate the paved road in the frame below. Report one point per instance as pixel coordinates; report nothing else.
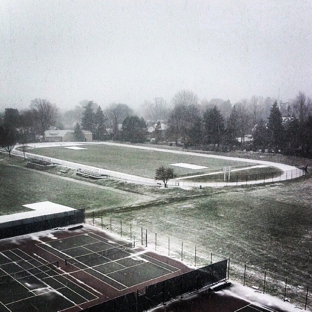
(289, 172)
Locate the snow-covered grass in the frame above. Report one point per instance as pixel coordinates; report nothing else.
(268, 228)
(20, 186)
(135, 161)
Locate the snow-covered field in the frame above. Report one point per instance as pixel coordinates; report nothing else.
(266, 227)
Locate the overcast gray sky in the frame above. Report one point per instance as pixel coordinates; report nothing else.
(131, 51)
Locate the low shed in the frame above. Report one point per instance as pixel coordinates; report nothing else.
(65, 136)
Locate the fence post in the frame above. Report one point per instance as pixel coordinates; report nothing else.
(155, 241)
(211, 258)
(306, 299)
(168, 246)
(110, 224)
(264, 280)
(120, 228)
(285, 290)
(245, 274)
(146, 238)
(130, 234)
(182, 251)
(93, 216)
(141, 236)
(229, 262)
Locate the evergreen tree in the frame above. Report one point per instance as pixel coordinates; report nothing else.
(8, 138)
(193, 126)
(134, 129)
(292, 136)
(308, 137)
(99, 121)
(88, 118)
(232, 131)
(213, 126)
(275, 128)
(259, 134)
(78, 134)
(11, 118)
(195, 133)
(9, 135)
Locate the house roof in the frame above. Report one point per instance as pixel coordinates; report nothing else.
(61, 133)
(56, 133)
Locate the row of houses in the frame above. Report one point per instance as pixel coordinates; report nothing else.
(154, 132)
(55, 135)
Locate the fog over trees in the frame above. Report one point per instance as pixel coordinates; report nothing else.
(258, 123)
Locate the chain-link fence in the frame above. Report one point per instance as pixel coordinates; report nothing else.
(297, 292)
(161, 243)
(264, 281)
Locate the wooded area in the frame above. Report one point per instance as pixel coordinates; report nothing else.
(263, 124)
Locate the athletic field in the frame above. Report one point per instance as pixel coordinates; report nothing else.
(142, 161)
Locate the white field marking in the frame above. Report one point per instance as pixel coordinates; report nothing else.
(188, 166)
(218, 172)
(75, 147)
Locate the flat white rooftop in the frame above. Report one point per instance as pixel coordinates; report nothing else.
(38, 210)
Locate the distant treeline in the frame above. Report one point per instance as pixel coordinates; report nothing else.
(257, 124)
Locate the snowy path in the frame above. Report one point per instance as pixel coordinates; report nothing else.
(289, 172)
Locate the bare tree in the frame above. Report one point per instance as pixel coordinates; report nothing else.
(116, 113)
(183, 116)
(243, 120)
(156, 110)
(256, 109)
(185, 97)
(225, 107)
(71, 117)
(45, 114)
(302, 106)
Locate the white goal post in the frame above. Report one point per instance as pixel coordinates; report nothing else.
(227, 173)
